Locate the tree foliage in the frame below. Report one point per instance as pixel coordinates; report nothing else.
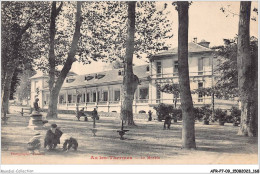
(105, 31)
(17, 42)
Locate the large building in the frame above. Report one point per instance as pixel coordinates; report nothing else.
(103, 89)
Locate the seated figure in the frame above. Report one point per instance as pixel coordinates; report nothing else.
(81, 113)
(52, 137)
(35, 105)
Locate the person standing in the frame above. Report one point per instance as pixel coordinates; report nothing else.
(150, 115)
(95, 114)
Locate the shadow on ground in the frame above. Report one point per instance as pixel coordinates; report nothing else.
(147, 139)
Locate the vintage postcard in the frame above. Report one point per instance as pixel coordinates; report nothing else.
(118, 82)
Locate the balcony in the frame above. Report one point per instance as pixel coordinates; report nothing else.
(102, 103)
(91, 103)
(114, 102)
(142, 101)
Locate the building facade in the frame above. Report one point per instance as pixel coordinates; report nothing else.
(103, 90)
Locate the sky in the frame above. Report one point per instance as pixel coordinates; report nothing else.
(206, 21)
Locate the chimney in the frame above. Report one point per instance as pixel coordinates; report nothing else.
(204, 43)
(195, 40)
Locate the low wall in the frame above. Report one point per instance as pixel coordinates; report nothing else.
(16, 109)
(102, 114)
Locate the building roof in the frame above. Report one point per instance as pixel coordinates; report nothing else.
(192, 48)
(105, 77)
(41, 74)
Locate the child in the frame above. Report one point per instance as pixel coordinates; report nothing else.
(34, 143)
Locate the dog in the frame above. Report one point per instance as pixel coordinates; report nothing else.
(68, 142)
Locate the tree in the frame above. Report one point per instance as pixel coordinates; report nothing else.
(247, 75)
(56, 84)
(103, 34)
(18, 45)
(16, 22)
(107, 36)
(188, 131)
(23, 91)
(130, 80)
(14, 83)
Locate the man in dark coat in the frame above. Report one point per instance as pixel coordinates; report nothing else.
(95, 114)
(52, 137)
(167, 121)
(150, 115)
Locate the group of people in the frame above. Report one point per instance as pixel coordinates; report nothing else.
(81, 113)
(51, 140)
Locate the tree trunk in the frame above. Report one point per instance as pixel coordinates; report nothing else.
(247, 77)
(130, 80)
(54, 91)
(52, 109)
(11, 63)
(188, 131)
(6, 91)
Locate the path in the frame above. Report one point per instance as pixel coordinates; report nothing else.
(215, 144)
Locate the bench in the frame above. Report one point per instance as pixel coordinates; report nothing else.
(85, 114)
(25, 111)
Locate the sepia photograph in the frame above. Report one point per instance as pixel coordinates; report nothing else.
(129, 83)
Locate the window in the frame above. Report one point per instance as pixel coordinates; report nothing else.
(117, 96)
(158, 95)
(70, 79)
(84, 98)
(200, 99)
(79, 98)
(47, 97)
(94, 97)
(87, 97)
(61, 99)
(175, 67)
(200, 95)
(143, 93)
(105, 96)
(88, 78)
(36, 86)
(200, 85)
(98, 96)
(69, 98)
(158, 67)
(200, 66)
